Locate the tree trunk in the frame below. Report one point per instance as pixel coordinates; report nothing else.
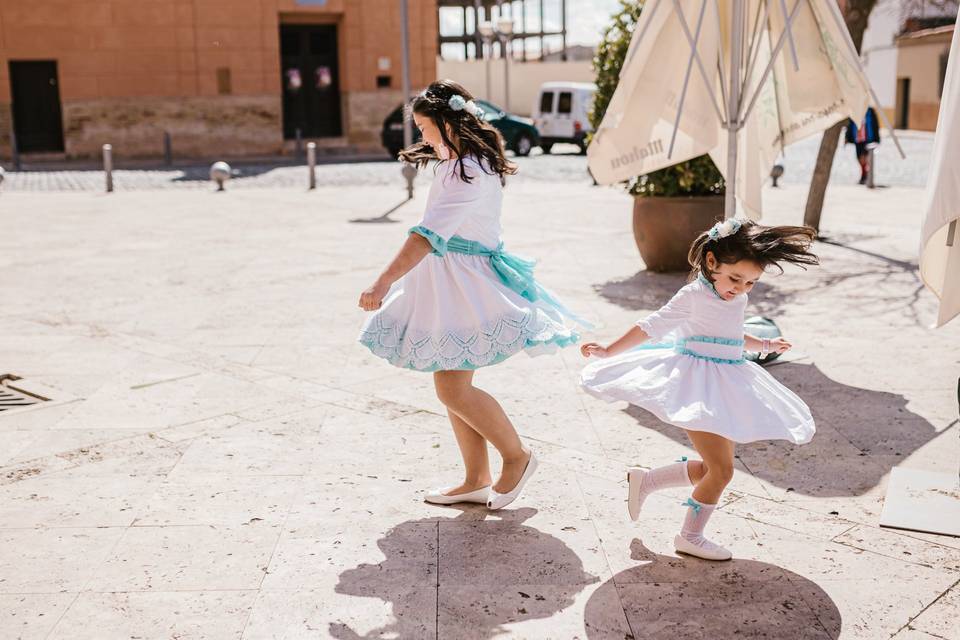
(855, 14)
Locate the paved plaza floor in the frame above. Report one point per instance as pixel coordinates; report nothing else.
(219, 458)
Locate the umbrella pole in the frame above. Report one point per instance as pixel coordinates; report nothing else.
(733, 109)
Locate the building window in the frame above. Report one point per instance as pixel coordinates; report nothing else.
(546, 102)
(383, 82)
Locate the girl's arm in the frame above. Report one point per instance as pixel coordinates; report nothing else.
(755, 344)
(632, 338)
(653, 327)
(411, 253)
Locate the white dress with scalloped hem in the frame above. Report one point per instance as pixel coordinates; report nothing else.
(453, 311)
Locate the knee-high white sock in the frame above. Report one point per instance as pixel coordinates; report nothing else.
(697, 516)
(672, 475)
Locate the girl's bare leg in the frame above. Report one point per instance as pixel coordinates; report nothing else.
(473, 449)
(717, 454)
(485, 415)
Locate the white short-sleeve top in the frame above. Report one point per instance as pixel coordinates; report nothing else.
(470, 210)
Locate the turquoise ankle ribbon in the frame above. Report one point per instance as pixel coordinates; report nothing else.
(693, 504)
(682, 459)
(513, 271)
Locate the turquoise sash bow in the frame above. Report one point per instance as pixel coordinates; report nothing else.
(515, 272)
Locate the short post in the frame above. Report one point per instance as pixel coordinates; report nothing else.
(167, 149)
(312, 163)
(776, 173)
(220, 173)
(108, 166)
(14, 150)
(870, 172)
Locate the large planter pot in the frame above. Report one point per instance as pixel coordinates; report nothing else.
(665, 227)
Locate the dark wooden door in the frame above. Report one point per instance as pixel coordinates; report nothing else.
(311, 81)
(37, 119)
(902, 119)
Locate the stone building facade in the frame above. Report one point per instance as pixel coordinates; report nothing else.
(921, 68)
(221, 77)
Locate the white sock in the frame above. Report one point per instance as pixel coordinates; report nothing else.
(672, 475)
(697, 516)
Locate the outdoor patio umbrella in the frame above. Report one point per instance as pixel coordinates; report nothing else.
(738, 79)
(940, 249)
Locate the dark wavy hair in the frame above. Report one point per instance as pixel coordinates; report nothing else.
(766, 246)
(473, 135)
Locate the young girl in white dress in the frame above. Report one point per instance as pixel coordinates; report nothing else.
(453, 301)
(692, 372)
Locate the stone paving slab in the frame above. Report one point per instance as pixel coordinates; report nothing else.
(220, 460)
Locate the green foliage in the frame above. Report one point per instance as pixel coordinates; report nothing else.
(696, 177)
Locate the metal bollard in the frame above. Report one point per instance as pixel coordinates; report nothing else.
(870, 171)
(167, 149)
(14, 149)
(108, 166)
(312, 163)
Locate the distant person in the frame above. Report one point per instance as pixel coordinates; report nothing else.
(865, 137)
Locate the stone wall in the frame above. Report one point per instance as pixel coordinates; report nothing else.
(198, 126)
(366, 111)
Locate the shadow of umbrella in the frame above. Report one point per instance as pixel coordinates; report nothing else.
(672, 598)
(861, 435)
(490, 572)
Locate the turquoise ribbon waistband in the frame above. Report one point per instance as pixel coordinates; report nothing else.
(515, 272)
(680, 346)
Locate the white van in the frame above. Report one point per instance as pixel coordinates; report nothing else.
(560, 113)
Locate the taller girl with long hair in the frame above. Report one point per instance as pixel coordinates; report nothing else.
(453, 301)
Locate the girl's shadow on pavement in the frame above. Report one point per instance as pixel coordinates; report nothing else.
(686, 598)
(489, 572)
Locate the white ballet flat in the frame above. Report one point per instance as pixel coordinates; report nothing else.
(500, 500)
(635, 498)
(706, 550)
(438, 496)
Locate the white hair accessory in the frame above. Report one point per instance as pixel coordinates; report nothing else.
(458, 103)
(725, 228)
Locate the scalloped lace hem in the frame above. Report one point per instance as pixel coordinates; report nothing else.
(491, 345)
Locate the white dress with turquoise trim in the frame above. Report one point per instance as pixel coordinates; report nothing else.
(469, 304)
(693, 374)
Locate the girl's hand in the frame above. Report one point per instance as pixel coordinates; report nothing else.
(372, 298)
(779, 345)
(592, 349)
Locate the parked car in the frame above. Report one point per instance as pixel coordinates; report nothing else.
(561, 113)
(519, 134)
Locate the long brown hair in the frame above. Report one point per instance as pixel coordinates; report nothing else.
(766, 246)
(473, 134)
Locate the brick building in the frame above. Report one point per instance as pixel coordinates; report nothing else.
(223, 77)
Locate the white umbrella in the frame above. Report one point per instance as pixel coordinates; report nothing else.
(738, 79)
(940, 249)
